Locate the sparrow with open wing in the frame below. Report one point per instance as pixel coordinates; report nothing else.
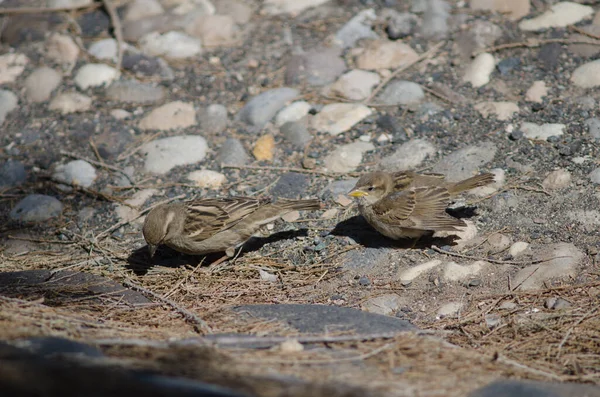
(204, 226)
(410, 205)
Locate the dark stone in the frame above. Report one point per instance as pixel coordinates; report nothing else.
(12, 173)
(505, 66)
(290, 185)
(21, 29)
(549, 55)
(321, 318)
(112, 143)
(391, 125)
(516, 388)
(364, 281)
(50, 346)
(516, 135)
(94, 23)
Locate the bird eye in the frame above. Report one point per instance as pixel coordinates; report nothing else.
(371, 188)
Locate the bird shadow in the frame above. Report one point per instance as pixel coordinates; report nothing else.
(140, 263)
(362, 233)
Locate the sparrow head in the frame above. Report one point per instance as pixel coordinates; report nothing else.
(372, 187)
(161, 224)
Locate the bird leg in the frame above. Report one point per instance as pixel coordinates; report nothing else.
(229, 253)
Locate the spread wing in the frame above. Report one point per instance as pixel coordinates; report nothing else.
(206, 217)
(419, 208)
(406, 179)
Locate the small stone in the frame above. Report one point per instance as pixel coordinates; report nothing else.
(387, 304)
(263, 107)
(435, 20)
(11, 67)
(70, 102)
(316, 67)
(399, 24)
(479, 71)
(514, 9)
(503, 110)
(164, 154)
(355, 85)
(240, 11)
(290, 185)
(559, 15)
(77, 173)
(173, 45)
(232, 152)
(358, 28)
(347, 157)
(408, 156)
(62, 49)
(556, 180)
(343, 200)
(132, 91)
(291, 216)
(296, 132)
(505, 66)
(412, 273)
(536, 92)
(465, 162)
(542, 132)
(293, 112)
(95, 75)
(141, 9)
(381, 54)
(336, 118)
(264, 148)
(213, 119)
(593, 126)
(589, 219)
(105, 49)
(111, 143)
(463, 236)
(450, 309)
(12, 173)
(330, 213)
(492, 320)
(507, 306)
(364, 281)
(36, 208)
(518, 248)
(173, 115)
(587, 75)
(214, 30)
(455, 272)
(498, 242)
(595, 176)
(400, 92)
(276, 7)
(8, 103)
(40, 84)
(206, 178)
(120, 114)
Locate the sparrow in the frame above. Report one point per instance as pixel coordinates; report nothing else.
(409, 205)
(204, 226)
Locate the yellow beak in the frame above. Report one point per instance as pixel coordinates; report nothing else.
(358, 193)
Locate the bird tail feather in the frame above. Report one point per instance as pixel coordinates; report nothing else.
(471, 183)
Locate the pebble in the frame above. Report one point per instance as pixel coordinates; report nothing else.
(557, 180)
(455, 272)
(536, 92)
(173, 45)
(595, 176)
(507, 306)
(291, 185)
(129, 212)
(264, 148)
(518, 248)
(400, 92)
(435, 20)
(213, 119)
(141, 9)
(132, 91)
(593, 126)
(450, 309)
(62, 49)
(266, 276)
(12, 173)
(36, 208)
(214, 30)
(383, 54)
(76, 172)
(173, 115)
(68, 3)
(564, 258)
(347, 157)
(479, 71)
(386, 304)
(399, 24)
(542, 132)
(410, 274)
(316, 67)
(206, 178)
(263, 107)
(409, 155)
(514, 9)
(232, 152)
(343, 200)
(276, 7)
(292, 112)
(164, 154)
(498, 242)
(502, 110)
(558, 16)
(8, 103)
(296, 133)
(112, 142)
(355, 85)
(505, 66)
(11, 67)
(95, 75)
(358, 28)
(105, 49)
(40, 84)
(120, 114)
(587, 75)
(465, 162)
(330, 213)
(336, 118)
(291, 216)
(240, 11)
(70, 102)
(336, 188)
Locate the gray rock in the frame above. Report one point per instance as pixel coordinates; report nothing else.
(12, 173)
(347, 157)
(144, 65)
(213, 119)
(316, 67)
(593, 126)
(164, 154)
(429, 109)
(400, 92)
(232, 152)
(400, 24)
(76, 172)
(132, 91)
(296, 132)
(36, 208)
(595, 176)
(386, 304)
(522, 388)
(435, 20)
(290, 185)
(8, 103)
(112, 143)
(463, 163)
(336, 188)
(357, 28)
(408, 156)
(419, 6)
(263, 107)
(40, 84)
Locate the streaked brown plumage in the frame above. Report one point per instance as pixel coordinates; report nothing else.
(204, 226)
(410, 205)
